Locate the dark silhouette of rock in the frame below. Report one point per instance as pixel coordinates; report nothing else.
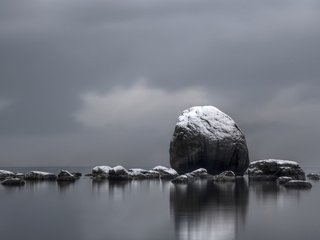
(205, 137)
(4, 174)
(314, 176)
(200, 173)
(298, 184)
(65, 176)
(283, 180)
(13, 182)
(38, 175)
(272, 169)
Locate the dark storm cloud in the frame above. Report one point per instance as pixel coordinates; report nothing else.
(64, 64)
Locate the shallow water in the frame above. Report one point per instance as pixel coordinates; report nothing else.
(157, 209)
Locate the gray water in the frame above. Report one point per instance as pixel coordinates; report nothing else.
(157, 209)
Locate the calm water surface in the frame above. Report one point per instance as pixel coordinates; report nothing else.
(155, 209)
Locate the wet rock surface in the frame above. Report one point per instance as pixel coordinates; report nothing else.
(205, 137)
(227, 176)
(272, 169)
(283, 180)
(298, 184)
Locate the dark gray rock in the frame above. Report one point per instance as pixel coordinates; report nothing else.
(166, 173)
(4, 174)
(272, 169)
(298, 184)
(182, 179)
(101, 170)
(38, 175)
(205, 137)
(314, 176)
(227, 176)
(119, 173)
(77, 174)
(283, 180)
(13, 182)
(66, 176)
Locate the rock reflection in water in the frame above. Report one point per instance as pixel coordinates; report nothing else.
(207, 210)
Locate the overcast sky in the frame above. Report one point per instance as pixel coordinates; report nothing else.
(103, 81)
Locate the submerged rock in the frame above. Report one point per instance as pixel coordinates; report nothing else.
(283, 180)
(227, 176)
(38, 175)
(64, 175)
(4, 174)
(165, 173)
(272, 169)
(205, 137)
(77, 174)
(298, 184)
(314, 176)
(13, 182)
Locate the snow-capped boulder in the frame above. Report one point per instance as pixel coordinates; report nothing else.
(101, 170)
(65, 175)
(271, 169)
(119, 173)
(4, 174)
(165, 173)
(298, 184)
(205, 137)
(314, 176)
(38, 175)
(13, 182)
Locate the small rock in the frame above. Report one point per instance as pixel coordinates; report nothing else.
(64, 175)
(314, 176)
(38, 175)
(283, 180)
(227, 176)
(298, 184)
(77, 174)
(182, 179)
(13, 182)
(200, 173)
(166, 173)
(4, 174)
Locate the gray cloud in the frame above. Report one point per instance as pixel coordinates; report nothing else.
(258, 61)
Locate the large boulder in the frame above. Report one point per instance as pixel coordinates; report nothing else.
(271, 169)
(205, 137)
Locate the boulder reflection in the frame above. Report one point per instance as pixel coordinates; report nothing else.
(207, 210)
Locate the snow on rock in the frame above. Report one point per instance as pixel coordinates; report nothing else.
(271, 169)
(227, 176)
(13, 182)
(165, 173)
(65, 175)
(205, 137)
(38, 175)
(5, 174)
(118, 173)
(101, 170)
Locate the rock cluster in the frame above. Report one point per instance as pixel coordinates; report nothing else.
(120, 173)
(272, 169)
(314, 176)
